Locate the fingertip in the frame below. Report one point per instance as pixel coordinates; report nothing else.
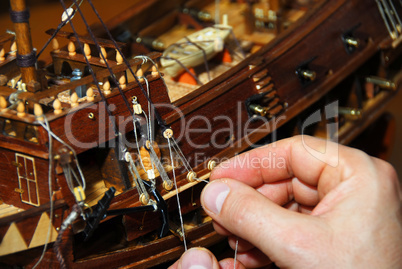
(213, 196)
(230, 263)
(197, 258)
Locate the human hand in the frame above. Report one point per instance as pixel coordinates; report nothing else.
(304, 213)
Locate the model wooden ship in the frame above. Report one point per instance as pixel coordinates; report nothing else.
(106, 142)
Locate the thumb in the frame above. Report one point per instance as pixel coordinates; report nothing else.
(196, 258)
(284, 236)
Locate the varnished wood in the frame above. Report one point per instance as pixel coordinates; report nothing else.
(24, 41)
(270, 70)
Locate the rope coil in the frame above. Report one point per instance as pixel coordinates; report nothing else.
(20, 16)
(26, 60)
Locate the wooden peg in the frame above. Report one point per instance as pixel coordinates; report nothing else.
(119, 58)
(13, 49)
(2, 53)
(55, 45)
(71, 48)
(19, 87)
(3, 103)
(24, 87)
(122, 82)
(21, 109)
(38, 112)
(106, 87)
(87, 51)
(154, 71)
(90, 95)
(74, 99)
(13, 83)
(103, 51)
(140, 75)
(57, 107)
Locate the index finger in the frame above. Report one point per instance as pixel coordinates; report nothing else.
(312, 161)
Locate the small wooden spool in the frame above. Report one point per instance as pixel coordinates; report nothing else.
(74, 99)
(90, 95)
(211, 165)
(21, 109)
(167, 185)
(168, 133)
(57, 107)
(191, 176)
(137, 109)
(143, 199)
(71, 48)
(38, 112)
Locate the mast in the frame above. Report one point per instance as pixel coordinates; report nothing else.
(26, 56)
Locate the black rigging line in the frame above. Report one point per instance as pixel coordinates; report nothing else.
(104, 58)
(61, 25)
(91, 71)
(161, 122)
(204, 54)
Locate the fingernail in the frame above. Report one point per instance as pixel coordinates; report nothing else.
(214, 196)
(196, 258)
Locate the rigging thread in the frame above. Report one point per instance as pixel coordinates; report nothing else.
(177, 197)
(161, 122)
(50, 197)
(90, 68)
(235, 253)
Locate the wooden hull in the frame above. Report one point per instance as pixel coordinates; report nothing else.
(314, 43)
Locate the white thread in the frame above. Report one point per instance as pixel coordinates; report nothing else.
(177, 197)
(138, 146)
(47, 128)
(235, 254)
(50, 197)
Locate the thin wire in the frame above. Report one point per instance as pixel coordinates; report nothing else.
(91, 70)
(47, 128)
(61, 25)
(149, 112)
(104, 59)
(50, 197)
(235, 254)
(138, 146)
(181, 155)
(158, 117)
(177, 197)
